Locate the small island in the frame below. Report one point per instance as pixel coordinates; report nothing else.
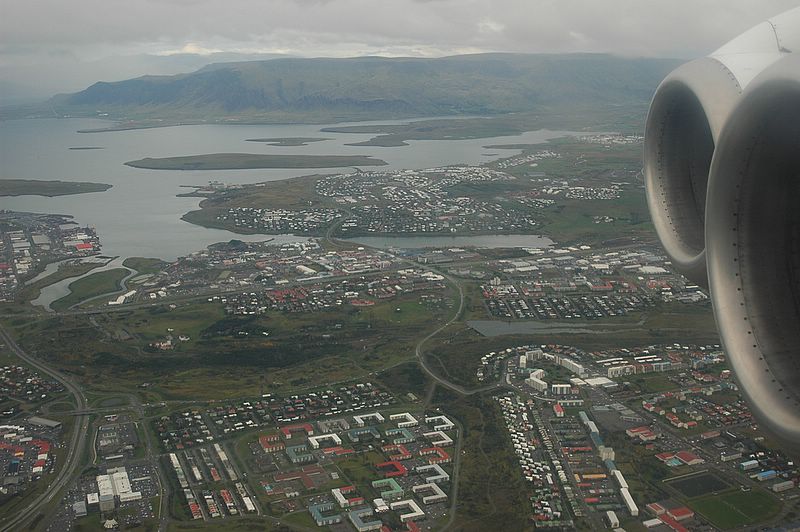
(240, 161)
(289, 141)
(36, 187)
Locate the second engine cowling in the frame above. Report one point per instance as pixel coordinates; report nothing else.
(752, 234)
(722, 174)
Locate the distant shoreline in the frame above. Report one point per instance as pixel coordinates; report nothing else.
(241, 161)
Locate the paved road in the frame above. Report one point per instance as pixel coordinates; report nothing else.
(74, 448)
(78, 442)
(461, 390)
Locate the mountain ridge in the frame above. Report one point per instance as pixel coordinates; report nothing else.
(475, 84)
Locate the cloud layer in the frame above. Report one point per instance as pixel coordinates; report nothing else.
(46, 33)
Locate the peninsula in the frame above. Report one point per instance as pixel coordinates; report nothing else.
(36, 187)
(237, 161)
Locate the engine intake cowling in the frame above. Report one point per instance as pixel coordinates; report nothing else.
(752, 234)
(722, 175)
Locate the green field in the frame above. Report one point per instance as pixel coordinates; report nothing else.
(143, 265)
(737, 508)
(699, 485)
(237, 161)
(35, 187)
(93, 285)
(491, 490)
(301, 351)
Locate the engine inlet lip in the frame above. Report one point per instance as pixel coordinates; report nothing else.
(745, 310)
(686, 116)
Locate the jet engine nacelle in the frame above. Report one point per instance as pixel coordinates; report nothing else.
(722, 174)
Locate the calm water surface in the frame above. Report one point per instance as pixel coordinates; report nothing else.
(140, 215)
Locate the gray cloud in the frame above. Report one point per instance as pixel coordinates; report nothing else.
(52, 34)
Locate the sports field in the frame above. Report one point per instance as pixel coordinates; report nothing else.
(737, 508)
(698, 485)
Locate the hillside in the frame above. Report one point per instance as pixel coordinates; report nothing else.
(292, 89)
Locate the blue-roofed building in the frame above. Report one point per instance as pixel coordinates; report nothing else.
(298, 454)
(403, 436)
(322, 516)
(358, 516)
(358, 434)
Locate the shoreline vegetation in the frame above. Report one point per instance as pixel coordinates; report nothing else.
(36, 187)
(106, 282)
(241, 161)
(68, 269)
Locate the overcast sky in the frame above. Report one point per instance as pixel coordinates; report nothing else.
(49, 45)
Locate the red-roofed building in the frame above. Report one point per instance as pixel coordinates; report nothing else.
(84, 246)
(643, 433)
(689, 458)
(303, 474)
(302, 427)
(570, 450)
(338, 451)
(42, 445)
(673, 524)
(270, 445)
(656, 509)
(681, 513)
(436, 455)
(397, 452)
(558, 410)
(665, 456)
(392, 468)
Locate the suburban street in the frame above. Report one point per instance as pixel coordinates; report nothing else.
(75, 447)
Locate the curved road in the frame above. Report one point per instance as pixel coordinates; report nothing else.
(418, 350)
(78, 442)
(74, 448)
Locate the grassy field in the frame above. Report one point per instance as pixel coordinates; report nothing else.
(143, 265)
(699, 485)
(93, 285)
(573, 220)
(302, 351)
(236, 161)
(491, 492)
(405, 378)
(652, 383)
(35, 187)
(737, 508)
(361, 469)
